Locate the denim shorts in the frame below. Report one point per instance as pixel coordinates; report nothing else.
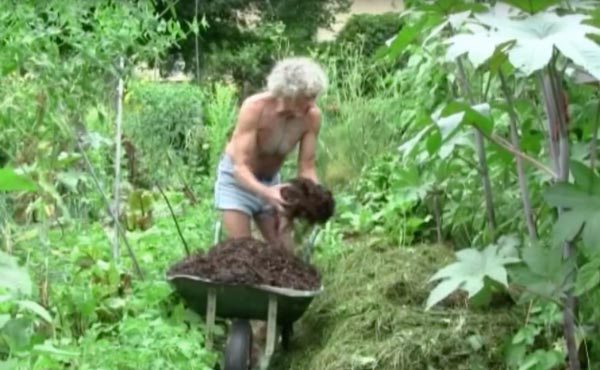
(229, 194)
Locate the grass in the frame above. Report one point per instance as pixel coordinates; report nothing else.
(371, 316)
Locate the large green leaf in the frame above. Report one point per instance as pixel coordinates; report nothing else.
(409, 146)
(544, 272)
(477, 115)
(570, 196)
(591, 234)
(12, 277)
(4, 318)
(583, 209)
(48, 348)
(448, 125)
(588, 277)
(472, 268)
(397, 44)
(537, 35)
(532, 6)
(36, 309)
(11, 181)
(584, 177)
(567, 226)
(479, 45)
(450, 6)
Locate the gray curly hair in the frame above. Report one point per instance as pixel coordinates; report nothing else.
(296, 76)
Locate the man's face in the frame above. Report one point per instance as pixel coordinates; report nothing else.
(303, 103)
(298, 105)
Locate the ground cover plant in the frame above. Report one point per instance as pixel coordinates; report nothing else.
(460, 153)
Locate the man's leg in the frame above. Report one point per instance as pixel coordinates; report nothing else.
(272, 231)
(236, 224)
(267, 225)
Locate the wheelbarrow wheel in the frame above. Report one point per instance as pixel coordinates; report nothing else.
(238, 351)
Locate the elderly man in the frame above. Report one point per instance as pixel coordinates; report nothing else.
(270, 124)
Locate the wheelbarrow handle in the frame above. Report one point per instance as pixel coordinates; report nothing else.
(217, 236)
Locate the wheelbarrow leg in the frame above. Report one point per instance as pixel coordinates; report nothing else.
(211, 310)
(271, 332)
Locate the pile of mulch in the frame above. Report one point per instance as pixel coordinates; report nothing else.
(308, 200)
(250, 261)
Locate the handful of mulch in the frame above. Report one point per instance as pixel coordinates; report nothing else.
(308, 200)
(250, 261)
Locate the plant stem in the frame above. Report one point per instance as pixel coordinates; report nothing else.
(557, 124)
(186, 188)
(550, 110)
(594, 141)
(480, 148)
(514, 137)
(117, 181)
(508, 147)
(136, 265)
(437, 213)
(185, 245)
(197, 47)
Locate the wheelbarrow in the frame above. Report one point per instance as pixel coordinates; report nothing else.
(240, 303)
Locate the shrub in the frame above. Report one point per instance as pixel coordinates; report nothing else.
(164, 116)
(371, 30)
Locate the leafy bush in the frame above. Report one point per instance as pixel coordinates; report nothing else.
(373, 29)
(225, 25)
(248, 63)
(166, 116)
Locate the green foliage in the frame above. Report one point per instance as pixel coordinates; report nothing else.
(220, 115)
(100, 316)
(472, 269)
(396, 144)
(18, 314)
(55, 86)
(10, 181)
(532, 39)
(249, 62)
(543, 323)
(231, 33)
(532, 6)
(370, 30)
(163, 117)
(14, 278)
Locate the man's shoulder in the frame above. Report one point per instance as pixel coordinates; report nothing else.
(255, 100)
(252, 106)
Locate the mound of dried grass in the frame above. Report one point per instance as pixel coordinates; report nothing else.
(371, 316)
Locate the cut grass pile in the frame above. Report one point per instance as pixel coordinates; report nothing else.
(371, 316)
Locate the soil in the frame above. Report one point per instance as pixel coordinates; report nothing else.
(308, 200)
(250, 261)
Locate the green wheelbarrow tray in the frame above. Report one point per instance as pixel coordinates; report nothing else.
(240, 301)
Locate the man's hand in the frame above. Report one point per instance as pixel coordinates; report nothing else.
(272, 195)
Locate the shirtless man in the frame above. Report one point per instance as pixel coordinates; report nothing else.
(269, 126)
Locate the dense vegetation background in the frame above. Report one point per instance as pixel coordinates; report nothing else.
(460, 139)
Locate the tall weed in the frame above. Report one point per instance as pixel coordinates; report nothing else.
(220, 113)
(160, 117)
(356, 126)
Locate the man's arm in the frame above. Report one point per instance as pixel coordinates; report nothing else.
(308, 147)
(244, 144)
